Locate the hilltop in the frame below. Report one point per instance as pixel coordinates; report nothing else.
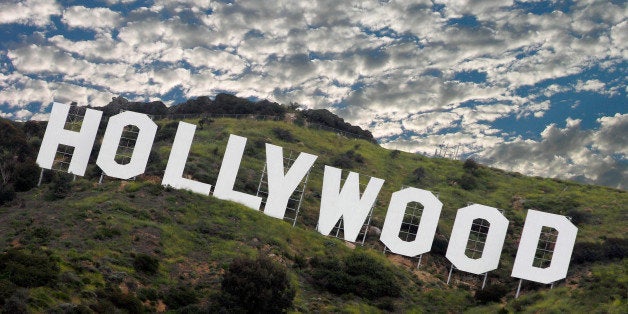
(136, 246)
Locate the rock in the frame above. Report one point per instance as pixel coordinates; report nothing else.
(375, 231)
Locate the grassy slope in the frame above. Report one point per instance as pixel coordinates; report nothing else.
(99, 228)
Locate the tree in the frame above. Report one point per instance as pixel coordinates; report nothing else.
(468, 182)
(257, 286)
(7, 193)
(470, 165)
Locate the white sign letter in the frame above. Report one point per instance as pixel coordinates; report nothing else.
(498, 225)
(82, 141)
(229, 171)
(145, 137)
(347, 203)
(176, 162)
(535, 221)
(427, 226)
(280, 185)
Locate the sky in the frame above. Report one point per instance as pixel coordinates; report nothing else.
(536, 87)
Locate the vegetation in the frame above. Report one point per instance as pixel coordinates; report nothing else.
(257, 286)
(359, 273)
(135, 246)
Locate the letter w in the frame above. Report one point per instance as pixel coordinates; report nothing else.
(346, 203)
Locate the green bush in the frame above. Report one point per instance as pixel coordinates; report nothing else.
(167, 132)
(7, 193)
(611, 248)
(26, 176)
(419, 174)
(59, 187)
(492, 293)
(39, 235)
(103, 233)
(145, 263)
(27, 268)
(348, 159)
(359, 273)
(17, 303)
(439, 246)
(470, 166)
(284, 135)
(257, 286)
(579, 217)
(111, 295)
(468, 182)
(179, 297)
(7, 288)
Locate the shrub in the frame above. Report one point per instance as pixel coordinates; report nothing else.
(59, 187)
(145, 263)
(439, 246)
(28, 268)
(615, 248)
(112, 295)
(17, 303)
(179, 297)
(419, 174)
(167, 132)
(39, 235)
(359, 273)
(147, 294)
(7, 193)
(103, 233)
(470, 165)
(611, 248)
(284, 135)
(372, 278)
(26, 176)
(347, 159)
(492, 293)
(579, 217)
(257, 286)
(586, 252)
(468, 182)
(7, 289)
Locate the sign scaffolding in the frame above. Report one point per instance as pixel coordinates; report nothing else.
(64, 153)
(296, 199)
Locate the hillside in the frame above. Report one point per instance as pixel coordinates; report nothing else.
(136, 246)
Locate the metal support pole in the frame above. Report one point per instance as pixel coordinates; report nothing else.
(518, 289)
(261, 179)
(552, 286)
(41, 177)
(102, 175)
(307, 176)
(73, 178)
(451, 270)
(484, 281)
(419, 263)
(366, 230)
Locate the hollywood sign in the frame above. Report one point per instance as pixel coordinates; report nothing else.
(337, 201)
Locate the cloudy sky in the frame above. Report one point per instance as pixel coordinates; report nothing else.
(537, 87)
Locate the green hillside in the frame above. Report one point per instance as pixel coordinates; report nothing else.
(135, 246)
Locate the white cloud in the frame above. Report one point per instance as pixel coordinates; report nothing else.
(569, 153)
(595, 85)
(431, 122)
(29, 12)
(91, 18)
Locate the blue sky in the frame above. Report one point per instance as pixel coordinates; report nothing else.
(537, 87)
